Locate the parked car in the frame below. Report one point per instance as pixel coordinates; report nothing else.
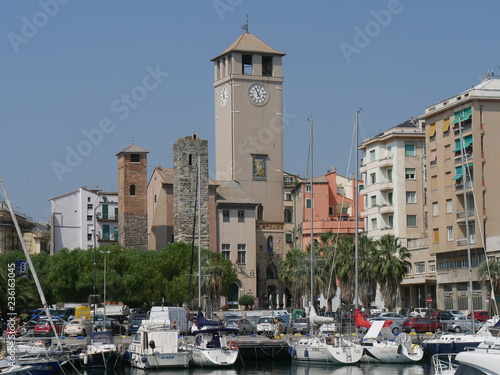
(111, 325)
(443, 316)
(268, 324)
(44, 328)
(455, 312)
(419, 324)
(419, 312)
(78, 327)
(135, 322)
(397, 318)
(464, 324)
(301, 325)
(242, 325)
(482, 316)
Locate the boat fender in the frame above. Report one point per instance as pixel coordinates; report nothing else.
(127, 356)
(294, 352)
(290, 350)
(233, 345)
(152, 344)
(144, 359)
(306, 353)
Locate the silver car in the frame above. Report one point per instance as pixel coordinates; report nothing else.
(463, 324)
(243, 326)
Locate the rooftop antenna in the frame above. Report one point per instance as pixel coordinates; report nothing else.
(245, 27)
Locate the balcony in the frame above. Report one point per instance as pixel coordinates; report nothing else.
(461, 215)
(462, 242)
(386, 209)
(108, 238)
(459, 186)
(101, 217)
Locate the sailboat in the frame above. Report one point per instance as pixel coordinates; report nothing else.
(211, 346)
(316, 348)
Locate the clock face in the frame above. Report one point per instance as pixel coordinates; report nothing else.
(258, 94)
(224, 95)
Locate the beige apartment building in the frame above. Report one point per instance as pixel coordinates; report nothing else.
(462, 138)
(393, 170)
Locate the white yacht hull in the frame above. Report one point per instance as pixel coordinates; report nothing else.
(391, 353)
(213, 357)
(315, 350)
(159, 360)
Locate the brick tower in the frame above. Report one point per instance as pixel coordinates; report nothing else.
(132, 197)
(186, 151)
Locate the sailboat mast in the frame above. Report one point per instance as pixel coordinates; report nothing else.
(356, 210)
(467, 229)
(311, 254)
(199, 229)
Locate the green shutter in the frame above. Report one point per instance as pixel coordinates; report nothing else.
(462, 115)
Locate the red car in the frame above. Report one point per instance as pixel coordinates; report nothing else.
(482, 316)
(44, 328)
(421, 325)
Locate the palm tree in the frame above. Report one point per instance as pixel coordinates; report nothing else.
(294, 273)
(490, 272)
(389, 266)
(367, 284)
(325, 252)
(344, 266)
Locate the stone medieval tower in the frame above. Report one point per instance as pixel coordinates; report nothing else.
(132, 198)
(187, 152)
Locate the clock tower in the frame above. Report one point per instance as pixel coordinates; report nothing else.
(249, 139)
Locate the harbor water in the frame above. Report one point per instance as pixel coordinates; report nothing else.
(275, 367)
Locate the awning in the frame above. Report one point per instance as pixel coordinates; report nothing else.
(467, 143)
(458, 173)
(462, 115)
(446, 125)
(433, 156)
(432, 130)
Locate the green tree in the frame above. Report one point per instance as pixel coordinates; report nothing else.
(489, 273)
(389, 267)
(344, 267)
(293, 272)
(246, 300)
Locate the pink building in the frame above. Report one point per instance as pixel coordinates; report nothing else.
(333, 209)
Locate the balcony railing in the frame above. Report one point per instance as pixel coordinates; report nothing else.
(463, 241)
(108, 237)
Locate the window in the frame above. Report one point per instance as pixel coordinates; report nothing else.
(449, 206)
(449, 230)
(331, 211)
(446, 126)
(241, 216)
(242, 254)
(259, 167)
(419, 267)
(374, 223)
(435, 231)
(288, 215)
(410, 150)
(90, 206)
(410, 174)
(372, 155)
(89, 218)
(135, 158)
(308, 203)
(434, 182)
(389, 198)
(308, 188)
(447, 151)
(288, 197)
(447, 179)
(289, 237)
(435, 209)
(132, 190)
(260, 212)
(247, 64)
(411, 220)
(432, 266)
(373, 199)
(433, 157)
(411, 197)
(389, 175)
(89, 236)
(267, 66)
(226, 251)
(88, 199)
(391, 221)
(225, 216)
(270, 244)
(373, 178)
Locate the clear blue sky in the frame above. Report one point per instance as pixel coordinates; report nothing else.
(66, 64)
